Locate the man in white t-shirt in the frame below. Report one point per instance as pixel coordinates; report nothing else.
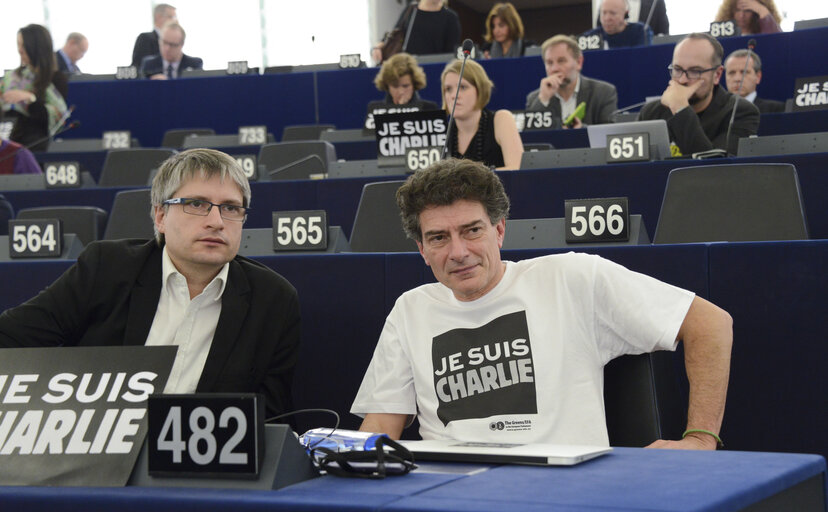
(501, 351)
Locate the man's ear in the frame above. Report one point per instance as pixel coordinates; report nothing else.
(500, 227)
(758, 77)
(420, 248)
(160, 216)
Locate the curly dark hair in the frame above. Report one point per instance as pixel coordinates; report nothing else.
(448, 181)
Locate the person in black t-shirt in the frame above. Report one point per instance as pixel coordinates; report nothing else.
(431, 28)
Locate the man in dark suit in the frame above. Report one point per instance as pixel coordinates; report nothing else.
(697, 109)
(235, 322)
(73, 51)
(742, 78)
(564, 87)
(146, 45)
(172, 60)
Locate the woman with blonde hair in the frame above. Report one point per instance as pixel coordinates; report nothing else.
(504, 32)
(477, 133)
(752, 16)
(400, 77)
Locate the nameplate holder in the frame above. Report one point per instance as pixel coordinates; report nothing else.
(529, 121)
(591, 42)
(632, 147)
(205, 435)
(417, 159)
(116, 139)
(305, 230)
(126, 73)
(62, 174)
(350, 61)
(35, 238)
(237, 67)
(724, 29)
(249, 165)
(597, 220)
(252, 135)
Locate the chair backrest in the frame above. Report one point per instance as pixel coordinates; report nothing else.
(297, 132)
(642, 399)
(280, 154)
(6, 214)
(129, 216)
(377, 226)
(131, 167)
(88, 222)
(175, 138)
(735, 203)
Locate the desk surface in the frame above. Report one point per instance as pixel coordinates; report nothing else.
(625, 480)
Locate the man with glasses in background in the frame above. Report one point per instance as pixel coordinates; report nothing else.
(697, 109)
(146, 45)
(172, 60)
(235, 322)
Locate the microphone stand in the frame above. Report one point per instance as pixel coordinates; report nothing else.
(467, 46)
(750, 46)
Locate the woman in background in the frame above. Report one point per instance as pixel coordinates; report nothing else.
(477, 133)
(34, 92)
(399, 78)
(752, 16)
(431, 27)
(504, 32)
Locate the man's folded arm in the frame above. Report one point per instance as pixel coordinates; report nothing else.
(385, 423)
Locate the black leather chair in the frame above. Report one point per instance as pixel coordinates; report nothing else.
(734, 203)
(643, 400)
(129, 216)
(282, 154)
(6, 214)
(377, 226)
(87, 222)
(296, 132)
(131, 167)
(175, 138)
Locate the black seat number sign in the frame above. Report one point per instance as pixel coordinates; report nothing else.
(205, 435)
(628, 147)
(597, 220)
(238, 67)
(252, 135)
(62, 174)
(126, 73)
(116, 139)
(724, 29)
(300, 230)
(248, 164)
(527, 121)
(591, 42)
(417, 159)
(350, 60)
(35, 238)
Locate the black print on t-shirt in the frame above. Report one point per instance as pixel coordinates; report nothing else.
(485, 371)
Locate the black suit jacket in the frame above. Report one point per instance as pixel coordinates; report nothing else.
(146, 45)
(61, 64)
(155, 65)
(766, 106)
(110, 296)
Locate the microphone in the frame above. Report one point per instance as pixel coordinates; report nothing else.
(70, 126)
(650, 15)
(467, 48)
(625, 109)
(63, 118)
(750, 46)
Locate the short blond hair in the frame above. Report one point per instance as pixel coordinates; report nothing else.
(475, 75)
(569, 41)
(506, 12)
(398, 66)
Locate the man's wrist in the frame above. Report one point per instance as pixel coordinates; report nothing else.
(704, 435)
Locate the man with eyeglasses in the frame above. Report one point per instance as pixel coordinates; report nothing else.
(146, 44)
(696, 108)
(236, 322)
(172, 60)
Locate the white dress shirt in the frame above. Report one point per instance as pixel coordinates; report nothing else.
(189, 324)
